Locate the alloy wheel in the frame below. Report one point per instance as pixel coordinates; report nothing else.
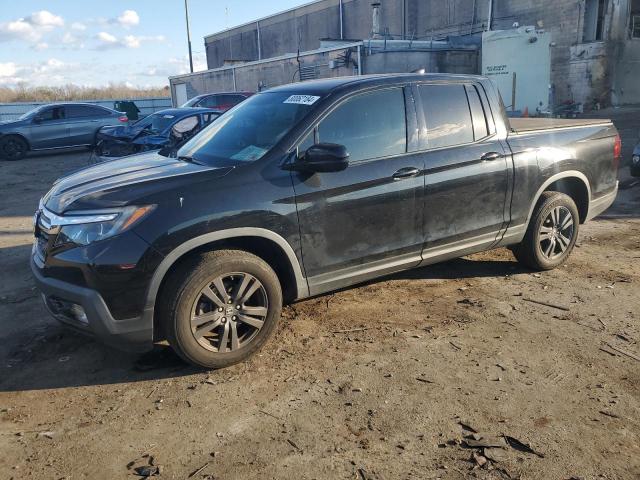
(556, 232)
(13, 149)
(229, 312)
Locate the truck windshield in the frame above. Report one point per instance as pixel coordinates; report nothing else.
(248, 131)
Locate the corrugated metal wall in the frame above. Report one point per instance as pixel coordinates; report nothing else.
(11, 111)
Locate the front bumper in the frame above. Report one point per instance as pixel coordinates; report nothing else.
(132, 334)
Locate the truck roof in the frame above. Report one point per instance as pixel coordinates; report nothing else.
(327, 85)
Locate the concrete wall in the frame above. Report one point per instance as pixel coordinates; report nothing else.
(303, 28)
(330, 62)
(147, 106)
(591, 73)
(264, 74)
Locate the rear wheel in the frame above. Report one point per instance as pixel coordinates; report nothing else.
(221, 307)
(551, 234)
(13, 147)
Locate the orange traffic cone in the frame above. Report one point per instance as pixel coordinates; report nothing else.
(525, 114)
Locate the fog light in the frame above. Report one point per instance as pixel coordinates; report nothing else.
(79, 314)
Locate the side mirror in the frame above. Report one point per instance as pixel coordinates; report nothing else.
(323, 157)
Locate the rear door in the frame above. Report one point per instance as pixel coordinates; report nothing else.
(365, 220)
(466, 167)
(49, 128)
(84, 122)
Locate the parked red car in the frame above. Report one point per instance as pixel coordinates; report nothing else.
(220, 101)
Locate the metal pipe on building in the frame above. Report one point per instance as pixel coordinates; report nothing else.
(375, 19)
(490, 16)
(341, 24)
(259, 41)
(235, 86)
(359, 61)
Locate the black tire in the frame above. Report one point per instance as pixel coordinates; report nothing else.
(634, 170)
(184, 302)
(13, 147)
(542, 250)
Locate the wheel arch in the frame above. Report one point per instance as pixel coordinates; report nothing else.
(20, 135)
(264, 243)
(572, 183)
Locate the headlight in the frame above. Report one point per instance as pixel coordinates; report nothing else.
(83, 228)
(636, 159)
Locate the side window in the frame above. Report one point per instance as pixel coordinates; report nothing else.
(487, 109)
(480, 129)
(210, 117)
(55, 113)
(83, 111)
(370, 125)
(209, 102)
(447, 114)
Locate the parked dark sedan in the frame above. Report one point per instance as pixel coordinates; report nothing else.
(53, 126)
(218, 101)
(165, 128)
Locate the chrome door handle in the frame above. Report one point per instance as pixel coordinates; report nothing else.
(406, 172)
(490, 156)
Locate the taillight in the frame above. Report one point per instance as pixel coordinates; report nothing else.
(617, 151)
(123, 119)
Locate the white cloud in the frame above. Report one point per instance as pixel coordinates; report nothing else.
(41, 46)
(128, 18)
(31, 28)
(44, 18)
(108, 41)
(8, 69)
(78, 26)
(50, 72)
(131, 41)
(176, 66)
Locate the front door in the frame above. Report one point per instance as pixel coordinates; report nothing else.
(365, 220)
(49, 128)
(467, 171)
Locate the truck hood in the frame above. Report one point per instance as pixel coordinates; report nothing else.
(123, 182)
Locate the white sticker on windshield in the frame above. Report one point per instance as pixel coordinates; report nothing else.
(302, 99)
(249, 153)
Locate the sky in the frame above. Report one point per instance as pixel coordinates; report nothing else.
(93, 43)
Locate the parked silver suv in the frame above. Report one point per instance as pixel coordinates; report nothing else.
(56, 125)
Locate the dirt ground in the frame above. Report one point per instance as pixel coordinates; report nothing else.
(382, 381)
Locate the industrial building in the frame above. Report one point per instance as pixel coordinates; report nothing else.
(541, 53)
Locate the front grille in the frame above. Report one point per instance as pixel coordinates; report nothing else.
(44, 235)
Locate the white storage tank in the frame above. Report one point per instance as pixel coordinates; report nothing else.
(519, 63)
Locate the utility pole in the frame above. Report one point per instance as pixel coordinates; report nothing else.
(186, 14)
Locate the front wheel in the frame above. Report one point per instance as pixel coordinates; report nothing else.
(221, 307)
(13, 147)
(551, 234)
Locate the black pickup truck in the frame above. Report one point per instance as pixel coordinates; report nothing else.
(304, 189)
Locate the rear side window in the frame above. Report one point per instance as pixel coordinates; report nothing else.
(370, 125)
(77, 111)
(209, 102)
(447, 114)
(480, 129)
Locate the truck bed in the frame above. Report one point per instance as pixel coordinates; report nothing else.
(523, 125)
